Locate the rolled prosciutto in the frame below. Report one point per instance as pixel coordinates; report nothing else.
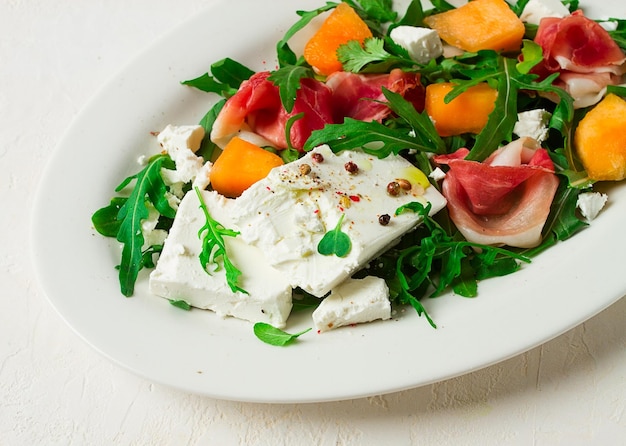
(504, 200)
(257, 107)
(584, 54)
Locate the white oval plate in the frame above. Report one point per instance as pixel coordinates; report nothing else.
(201, 353)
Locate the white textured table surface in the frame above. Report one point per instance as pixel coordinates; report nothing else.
(55, 390)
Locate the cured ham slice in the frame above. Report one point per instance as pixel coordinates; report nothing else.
(583, 52)
(360, 96)
(504, 200)
(257, 107)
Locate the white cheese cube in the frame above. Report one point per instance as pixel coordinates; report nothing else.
(422, 44)
(355, 301)
(591, 203)
(180, 276)
(287, 213)
(533, 123)
(535, 10)
(181, 143)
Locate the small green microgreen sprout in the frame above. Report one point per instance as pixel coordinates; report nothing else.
(335, 241)
(275, 336)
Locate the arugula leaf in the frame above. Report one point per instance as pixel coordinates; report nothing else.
(290, 122)
(225, 78)
(422, 125)
(532, 54)
(377, 139)
(284, 53)
(500, 123)
(275, 336)
(379, 10)
(183, 305)
(149, 186)
(442, 5)
(414, 15)
(105, 219)
(214, 248)
(208, 147)
(288, 79)
(335, 241)
(619, 33)
(618, 90)
(437, 261)
(373, 137)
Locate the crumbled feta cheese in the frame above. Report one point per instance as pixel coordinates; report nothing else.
(355, 301)
(535, 10)
(181, 143)
(151, 235)
(591, 203)
(437, 174)
(180, 276)
(271, 214)
(422, 44)
(533, 123)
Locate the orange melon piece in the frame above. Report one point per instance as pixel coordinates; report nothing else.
(341, 26)
(479, 25)
(600, 140)
(240, 165)
(467, 113)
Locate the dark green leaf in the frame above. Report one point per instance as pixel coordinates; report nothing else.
(288, 80)
(285, 54)
(149, 186)
(422, 125)
(208, 147)
(373, 137)
(231, 72)
(105, 219)
(180, 304)
(209, 84)
(499, 127)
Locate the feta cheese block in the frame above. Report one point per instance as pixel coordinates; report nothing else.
(180, 276)
(287, 213)
(355, 301)
(422, 44)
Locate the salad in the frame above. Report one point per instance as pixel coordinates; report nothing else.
(474, 134)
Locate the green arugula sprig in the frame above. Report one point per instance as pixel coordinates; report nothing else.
(417, 132)
(125, 224)
(438, 261)
(275, 336)
(224, 78)
(214, 248)
(288, 79)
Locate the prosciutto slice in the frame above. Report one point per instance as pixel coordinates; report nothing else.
(360, 96)
(583, 52)
(504, 200)
(257, 107)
